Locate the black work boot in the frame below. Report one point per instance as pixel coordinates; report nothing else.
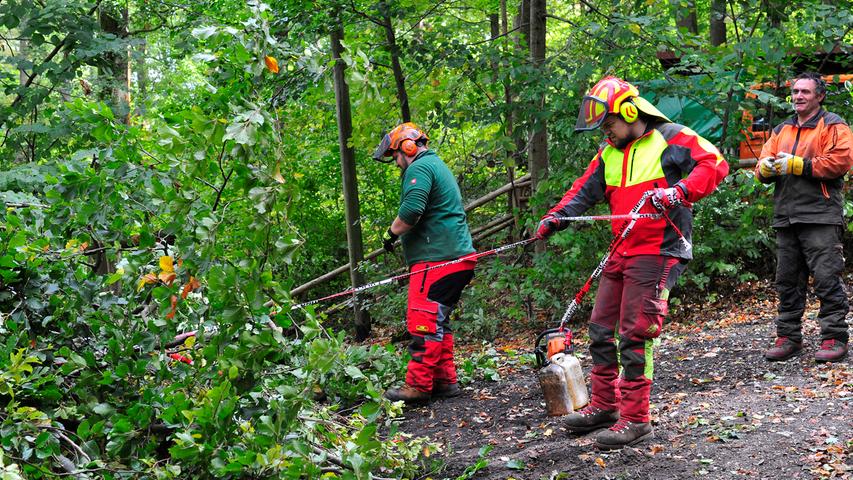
(783, 349)
(623, 434)
(408, 394)
(445, 390)
(831, 351)
(590, 418)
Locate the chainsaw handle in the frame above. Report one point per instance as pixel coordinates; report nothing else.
(539, 350)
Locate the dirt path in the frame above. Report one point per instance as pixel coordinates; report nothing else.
(719, 411)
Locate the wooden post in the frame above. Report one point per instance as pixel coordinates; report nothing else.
(350, 182)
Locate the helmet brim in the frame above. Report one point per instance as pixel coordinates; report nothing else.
(646, 107)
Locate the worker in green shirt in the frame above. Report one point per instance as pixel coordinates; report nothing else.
(432, 228)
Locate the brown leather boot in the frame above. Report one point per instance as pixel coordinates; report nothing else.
(408, 394)
(445, 390)
(783, 349)
(590, 418)
(623, 434)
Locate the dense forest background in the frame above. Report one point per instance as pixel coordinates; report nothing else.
(174, 166)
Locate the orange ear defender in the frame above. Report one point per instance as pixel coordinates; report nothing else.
(409, 147)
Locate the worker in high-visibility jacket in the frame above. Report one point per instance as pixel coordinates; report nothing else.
(643, 152)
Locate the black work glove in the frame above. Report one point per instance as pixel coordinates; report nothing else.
(388, 240)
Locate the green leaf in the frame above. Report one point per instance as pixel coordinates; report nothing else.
(354, 372)
(103, 409)
(514, 464)
(204, 33)
(84, 429)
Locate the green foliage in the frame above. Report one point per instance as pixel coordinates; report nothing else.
(200, 204)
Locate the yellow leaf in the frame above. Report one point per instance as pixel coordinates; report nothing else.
(146, 279)
(298, 175)
(634, 28)
(600, 462)
(272, 64)
(276, 175)
(427, 453)
(166, 264)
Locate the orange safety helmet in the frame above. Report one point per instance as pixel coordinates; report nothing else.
(612, 95)
(404, 137)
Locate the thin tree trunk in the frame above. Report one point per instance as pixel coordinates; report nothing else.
(538, 152)
(524, 22)
(522, 45)
(350, 182)
(142, 76)
(511, 199)
(718, 22)
(114, 21)
(685, 17)
(394, 49)
(23, 51)
(775, 12)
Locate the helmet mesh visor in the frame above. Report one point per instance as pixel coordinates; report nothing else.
(591, 114)
(383, 150)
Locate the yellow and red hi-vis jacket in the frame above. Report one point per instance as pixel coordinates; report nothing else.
(667, 155)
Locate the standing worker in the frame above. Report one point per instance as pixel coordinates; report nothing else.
(807, 157)
(644, 151)
(433, 229)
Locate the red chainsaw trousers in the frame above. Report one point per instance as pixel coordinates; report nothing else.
(432, 296)
(630, 307)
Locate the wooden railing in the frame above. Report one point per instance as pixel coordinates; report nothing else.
(478, 234)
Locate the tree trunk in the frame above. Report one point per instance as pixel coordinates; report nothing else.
(524, 22)
(23, 50)
(142, 76)
(113, 20)
(718, 22)
(399, 79)
(775, 12)
(511, 202)
(685, 15)
(350, 183)
(538, 152)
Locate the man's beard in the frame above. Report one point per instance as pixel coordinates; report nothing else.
(623, 143)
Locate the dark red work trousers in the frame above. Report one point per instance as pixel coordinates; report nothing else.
(630, 307)
(432, 296)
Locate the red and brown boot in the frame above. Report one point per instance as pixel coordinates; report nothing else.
(408, 394)
(783, 349)
(831, 351)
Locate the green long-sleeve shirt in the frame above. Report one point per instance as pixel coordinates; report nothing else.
(430, 200)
